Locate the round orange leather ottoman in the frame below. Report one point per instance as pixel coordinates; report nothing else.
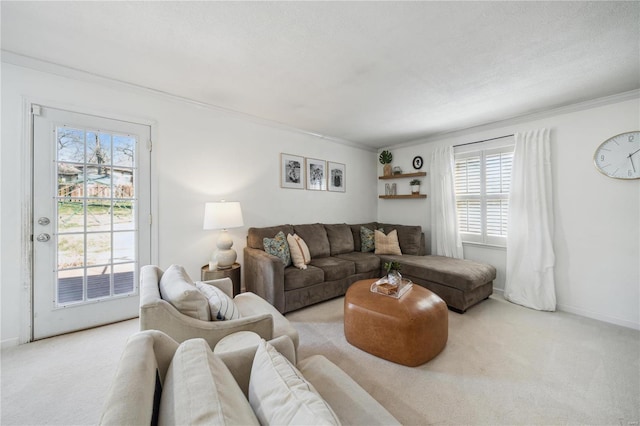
(409, 331)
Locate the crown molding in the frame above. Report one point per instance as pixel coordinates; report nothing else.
(40, 65)
(537, 115)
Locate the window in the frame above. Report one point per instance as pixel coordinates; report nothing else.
(482, 180)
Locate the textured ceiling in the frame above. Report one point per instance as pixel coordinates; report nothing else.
(373, 73)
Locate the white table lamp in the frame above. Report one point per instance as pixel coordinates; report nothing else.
(223, 215)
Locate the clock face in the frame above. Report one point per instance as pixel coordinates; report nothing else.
(619, 156)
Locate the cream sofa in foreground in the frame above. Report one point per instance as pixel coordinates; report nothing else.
(160, 381)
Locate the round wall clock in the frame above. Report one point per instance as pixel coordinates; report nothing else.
(619, 156)
(417, 162)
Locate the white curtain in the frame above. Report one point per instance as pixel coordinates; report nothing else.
(444, 220)
(530, 255)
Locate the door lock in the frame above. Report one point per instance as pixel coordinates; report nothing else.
(43, 238)
(44, 221)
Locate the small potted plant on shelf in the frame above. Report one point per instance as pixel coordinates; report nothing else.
(415, 186)
(393, 272)
(385, 159)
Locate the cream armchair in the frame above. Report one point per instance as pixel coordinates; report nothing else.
(256, 314)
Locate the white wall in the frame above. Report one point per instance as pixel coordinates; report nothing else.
(200, 154)
(597, 219)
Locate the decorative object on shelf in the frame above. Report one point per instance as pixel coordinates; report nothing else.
(316, 174)
(393, 272)
(291, 171)
(619, 156)
(337, 177)
(397, 170)
(385, 159)
(415, 186)
(417, 162)
(223, 215)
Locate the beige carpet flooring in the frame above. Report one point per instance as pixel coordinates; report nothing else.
(503, 364)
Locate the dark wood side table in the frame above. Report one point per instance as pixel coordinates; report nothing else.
(233, 273)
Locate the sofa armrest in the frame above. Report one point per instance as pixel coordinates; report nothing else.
(131, 397)
(161, 315)
(264, 276)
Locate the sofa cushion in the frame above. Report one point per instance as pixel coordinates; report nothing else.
(278, 246)
(367, 239)
(199, 389)
(334, 268)
(316, 238)
(340, 238)
(409, 238)
(355, 231)
(255, 236)
(298, 278)
(300, 255)
(280, 395)
(221, 306)
(387, 244)
(364, 262)
(177, 288)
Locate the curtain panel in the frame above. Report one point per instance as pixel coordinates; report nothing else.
(530, 255)
(444, 218)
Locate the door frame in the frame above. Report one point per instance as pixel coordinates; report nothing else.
(26, 209)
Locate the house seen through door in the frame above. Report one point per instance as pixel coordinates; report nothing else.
(91, 219)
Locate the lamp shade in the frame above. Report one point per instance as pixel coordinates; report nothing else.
(222, 215)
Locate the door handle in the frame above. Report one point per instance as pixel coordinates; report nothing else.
(43, 238)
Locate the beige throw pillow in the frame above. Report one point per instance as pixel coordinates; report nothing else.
(177, 288)
(387, 244)
(199, 389)
(299, 251)
(280, 395)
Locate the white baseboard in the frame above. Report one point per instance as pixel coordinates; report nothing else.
(598, 316)
(588, 314)
(9, 343)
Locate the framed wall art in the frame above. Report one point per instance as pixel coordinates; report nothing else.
(336, 177)
(291, 171)
(316, 174)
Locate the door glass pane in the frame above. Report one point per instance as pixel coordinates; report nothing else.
(98, 282)
(123, 218)
(124, 245)
(70, 145)
(70, 251)
(99, 248)
(98, 148)
(98, 214)
(70, 286)
(99, 182)
(70, 215)
(123, 278)
(123, 150)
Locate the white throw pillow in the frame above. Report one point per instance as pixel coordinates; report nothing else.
(177, 288)
(299, 251)
(200, 389)
(221, 306)
(279, 395)
(387, 244)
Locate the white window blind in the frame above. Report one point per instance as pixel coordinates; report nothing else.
(482, 179)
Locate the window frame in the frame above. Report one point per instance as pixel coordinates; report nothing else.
(481, 151)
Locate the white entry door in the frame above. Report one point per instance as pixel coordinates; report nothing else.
(91, 219)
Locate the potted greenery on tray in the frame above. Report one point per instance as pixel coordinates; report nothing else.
(393, 272)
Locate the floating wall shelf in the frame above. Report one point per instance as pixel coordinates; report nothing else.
(400, 197)
(403, 175)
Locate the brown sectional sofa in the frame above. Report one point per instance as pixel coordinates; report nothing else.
(337, 262)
